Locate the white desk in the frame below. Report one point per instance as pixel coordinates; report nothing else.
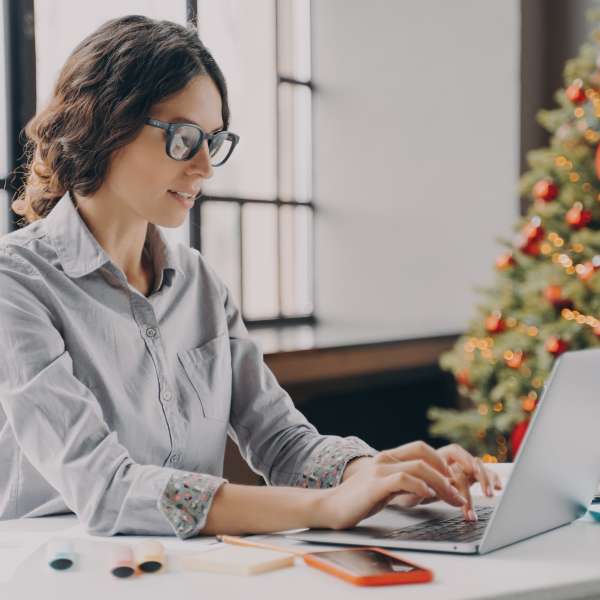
(564, 563)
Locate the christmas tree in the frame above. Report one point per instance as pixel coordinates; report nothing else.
(546, 295)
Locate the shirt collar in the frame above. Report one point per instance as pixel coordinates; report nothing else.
(80, 253)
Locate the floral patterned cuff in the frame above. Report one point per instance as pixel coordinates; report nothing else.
(325, 466)
(186, 500)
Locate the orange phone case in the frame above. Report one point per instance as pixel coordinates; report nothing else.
(421, 575)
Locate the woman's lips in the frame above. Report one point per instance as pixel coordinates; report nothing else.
(185, 202)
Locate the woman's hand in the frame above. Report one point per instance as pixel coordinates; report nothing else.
(412, 469)
(460, 469)
(466, 470)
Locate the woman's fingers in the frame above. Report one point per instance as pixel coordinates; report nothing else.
(463, 484)
(484, 478)
(472, 466)
(415, 451)
(410, 500)
(405, 482)
(441, 485)
(496, 479)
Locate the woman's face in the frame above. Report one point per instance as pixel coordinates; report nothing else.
(142, 176)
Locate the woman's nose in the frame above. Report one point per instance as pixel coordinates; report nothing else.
(200, 163)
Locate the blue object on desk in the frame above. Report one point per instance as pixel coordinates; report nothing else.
(60, 554)
(594, 510)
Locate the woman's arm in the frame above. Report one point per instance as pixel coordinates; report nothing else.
(238, 509)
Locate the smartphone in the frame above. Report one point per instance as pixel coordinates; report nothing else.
(368, 566)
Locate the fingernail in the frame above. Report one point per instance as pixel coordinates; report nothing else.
(431, 492)
(471, 515)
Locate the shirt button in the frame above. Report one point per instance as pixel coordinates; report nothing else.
(175, 458)
(167, 395)
(150, 332)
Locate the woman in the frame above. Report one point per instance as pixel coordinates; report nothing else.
(125, 361)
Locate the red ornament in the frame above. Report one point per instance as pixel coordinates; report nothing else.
(553, 293)
(577, 217)
(556, 345)
(575, 92)
(545, 190)
(517, 435)
(530, 248)
(597, 331)
(531, 235)
(533, 231)
(597, 161)
(462, 378)
(505, 261)
(516, 360)
(495, 323)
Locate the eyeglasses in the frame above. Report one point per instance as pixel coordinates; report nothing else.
(184, 140)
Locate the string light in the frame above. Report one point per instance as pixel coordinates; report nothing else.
(574, 315)
(489, 458)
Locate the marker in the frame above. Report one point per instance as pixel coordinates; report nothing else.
(149, 556)
(121, 561)
(60, 554)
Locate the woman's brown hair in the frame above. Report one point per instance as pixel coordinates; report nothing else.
(101, 99)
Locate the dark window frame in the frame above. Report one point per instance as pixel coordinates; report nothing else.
(19, 36)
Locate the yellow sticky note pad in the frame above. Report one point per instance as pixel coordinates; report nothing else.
(238, 560)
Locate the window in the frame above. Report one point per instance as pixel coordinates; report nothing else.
(254, 222)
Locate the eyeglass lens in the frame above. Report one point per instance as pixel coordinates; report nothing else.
(184, 139)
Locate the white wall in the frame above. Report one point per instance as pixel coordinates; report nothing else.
(416, 157)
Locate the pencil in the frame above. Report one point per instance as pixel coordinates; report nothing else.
(238, 541)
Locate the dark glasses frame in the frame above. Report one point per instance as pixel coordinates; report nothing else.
(170, 128)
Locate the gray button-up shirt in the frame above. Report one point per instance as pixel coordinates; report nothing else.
(109, 398)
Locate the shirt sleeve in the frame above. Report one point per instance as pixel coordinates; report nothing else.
(58, 422)
(274, 437)
(186, 500)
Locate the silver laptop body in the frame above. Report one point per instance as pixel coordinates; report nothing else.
(553, 479)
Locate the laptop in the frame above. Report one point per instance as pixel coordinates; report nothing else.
(554, 478)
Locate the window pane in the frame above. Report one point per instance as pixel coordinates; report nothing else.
(259, 225)
(3, 94)
(61, 24)
(293, 39)
(295, 141)
(296, 260)
(241, 37)
(220, 234)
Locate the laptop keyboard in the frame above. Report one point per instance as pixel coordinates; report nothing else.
(453, 529)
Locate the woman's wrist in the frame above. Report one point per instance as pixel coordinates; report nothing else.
(354, 465)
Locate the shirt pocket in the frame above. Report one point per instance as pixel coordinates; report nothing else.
(208, 368)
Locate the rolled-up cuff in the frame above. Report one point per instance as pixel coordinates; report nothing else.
(325, 466)
(186, 500)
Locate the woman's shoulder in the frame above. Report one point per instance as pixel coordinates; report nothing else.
(27, 250)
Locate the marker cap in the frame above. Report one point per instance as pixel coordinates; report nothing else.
(149, 556)
(122, 563)
(60, 554)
